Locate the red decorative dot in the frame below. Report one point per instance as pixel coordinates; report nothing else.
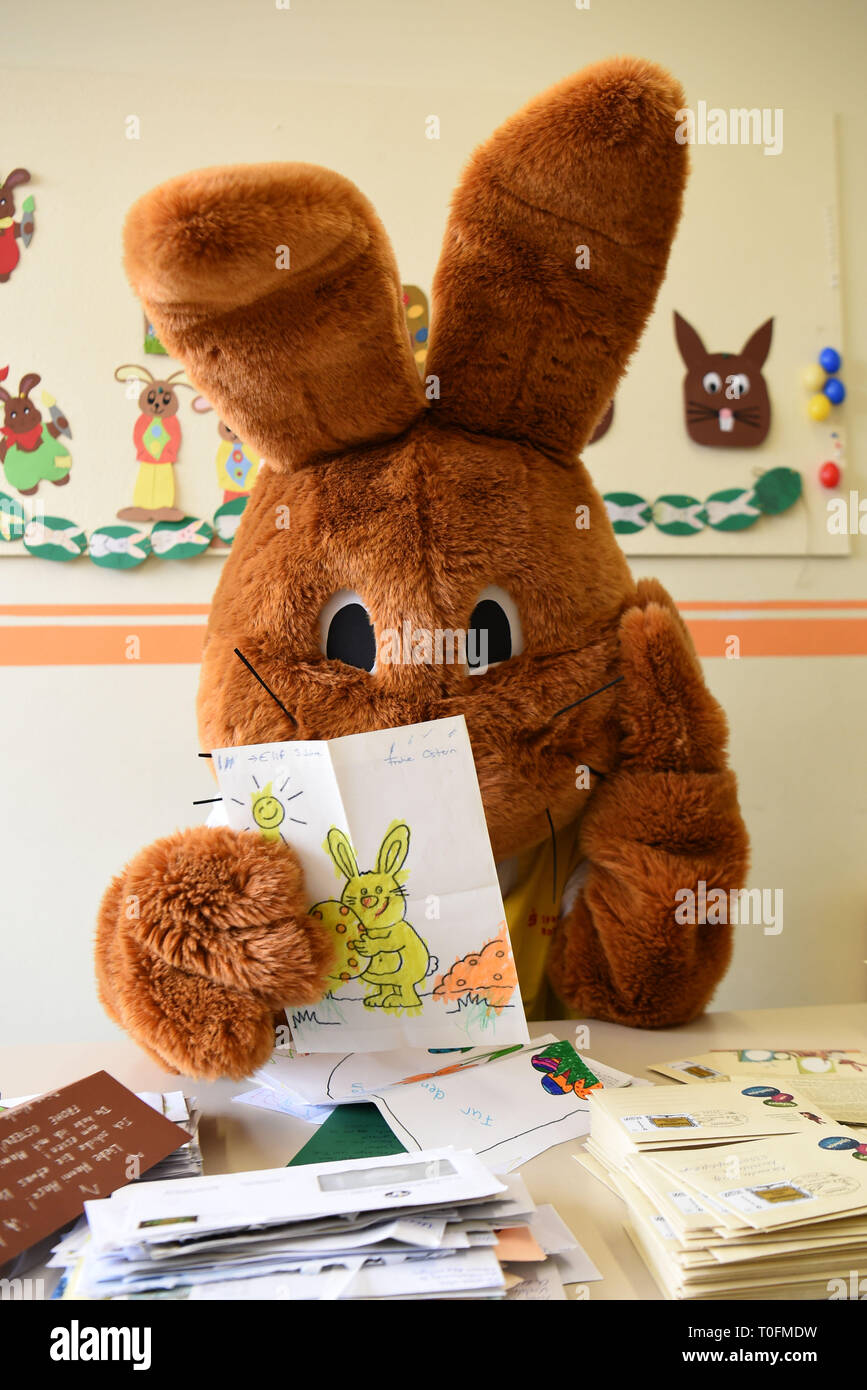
(344, 976)
(829, 474)
(317, 915)
(344, 912)
(473, 960)
(498, 977)
(500, 953)
(340, 928)
(352, 961)
(461, 982)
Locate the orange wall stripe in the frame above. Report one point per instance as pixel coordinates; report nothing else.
(777, 605)
(103, 610)
(153, 644)
(781, 636)
(101, 646)
(195, 610)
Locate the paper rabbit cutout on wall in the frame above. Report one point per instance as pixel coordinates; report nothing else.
(157, 439)
(414, 498)
(725, 395)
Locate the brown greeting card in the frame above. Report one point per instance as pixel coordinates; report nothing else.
(81, 1141)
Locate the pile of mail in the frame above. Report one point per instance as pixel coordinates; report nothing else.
(733, 1190)
(185, 1162)
(437, 1224)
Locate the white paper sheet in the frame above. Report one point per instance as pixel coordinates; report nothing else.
(501, 1112)
(537, 1283)
(392, 817)
(336, 1078)
(264, 1098)
(469, 1271)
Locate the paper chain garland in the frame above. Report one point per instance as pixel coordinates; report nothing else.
(732, 509)
(125, 547)
(119, 547)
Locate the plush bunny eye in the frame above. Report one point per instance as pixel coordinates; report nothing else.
(737, 386)
(712, 382)
(346, 632)
(494, 633)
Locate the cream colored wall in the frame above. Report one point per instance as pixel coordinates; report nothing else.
(98, 760)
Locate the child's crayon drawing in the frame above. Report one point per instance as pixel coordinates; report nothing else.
(375, 941)
(389, 832)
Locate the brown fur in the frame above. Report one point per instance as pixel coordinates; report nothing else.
(419, 507)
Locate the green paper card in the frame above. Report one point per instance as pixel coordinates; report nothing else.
(351, 1131)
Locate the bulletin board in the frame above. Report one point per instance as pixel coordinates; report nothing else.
(115, 483)
(758, 241)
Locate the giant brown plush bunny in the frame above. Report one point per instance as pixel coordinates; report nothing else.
(418, 499)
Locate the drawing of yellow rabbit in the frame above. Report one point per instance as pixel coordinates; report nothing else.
(399, 959)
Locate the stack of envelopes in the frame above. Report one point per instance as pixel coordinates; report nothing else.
(437, 1224)
(185, 1162)
(733, 1190)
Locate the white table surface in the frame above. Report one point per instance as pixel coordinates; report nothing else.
(236, 1137)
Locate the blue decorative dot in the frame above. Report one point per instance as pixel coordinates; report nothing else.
(830, 359)
(834, 390)
(421, 335)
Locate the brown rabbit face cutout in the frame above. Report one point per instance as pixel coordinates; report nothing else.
(725, 396)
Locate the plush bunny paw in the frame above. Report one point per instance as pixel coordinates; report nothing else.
(670, 721)
(201, 938)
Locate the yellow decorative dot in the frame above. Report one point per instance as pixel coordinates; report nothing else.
(813, 377)
(415, 312)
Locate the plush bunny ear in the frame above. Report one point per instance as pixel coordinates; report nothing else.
(554, 252)
(342, 853)
(276, 286)
(393, 850)
(756, 348)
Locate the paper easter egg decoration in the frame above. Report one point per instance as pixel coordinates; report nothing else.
(627, 512)
(415, 307)
(13, 518)
(777, 490)
(54, 538)
(119, 547)
(180, 540)
(677, 514)
(732, 509)
(726, 402)
(227, 519)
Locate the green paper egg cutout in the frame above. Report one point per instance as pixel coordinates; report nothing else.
(777, 490)
(181, 540)
(724, 517)
(677, 514)
(54, 538)
(227, 518)
(640, 514)
(119, 547)
(13, 518)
